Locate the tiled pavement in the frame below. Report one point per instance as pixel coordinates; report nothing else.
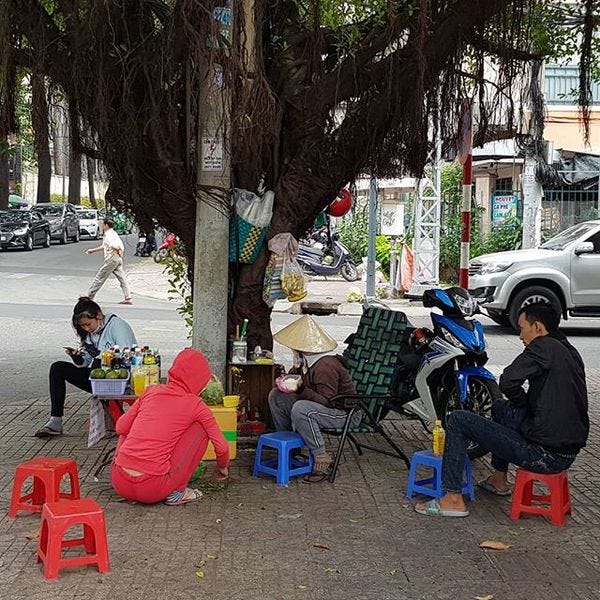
(258, 541)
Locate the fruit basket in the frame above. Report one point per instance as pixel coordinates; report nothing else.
(109, 387)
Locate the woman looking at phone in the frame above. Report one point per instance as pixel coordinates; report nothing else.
(97, 332)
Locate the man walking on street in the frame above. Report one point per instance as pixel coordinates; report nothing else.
(113, 261)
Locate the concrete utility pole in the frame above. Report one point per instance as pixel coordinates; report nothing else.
(209, 332)
(371, 240)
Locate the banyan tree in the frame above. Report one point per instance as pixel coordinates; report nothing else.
(321, 92)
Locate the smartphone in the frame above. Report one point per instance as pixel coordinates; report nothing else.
(70, 350)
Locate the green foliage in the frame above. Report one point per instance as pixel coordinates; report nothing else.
(507, 237)
(354, 232)
(383, 249)
(85, 201)
(180, 288)
(213, 393)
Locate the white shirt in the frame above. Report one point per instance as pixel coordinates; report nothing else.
(111, 240)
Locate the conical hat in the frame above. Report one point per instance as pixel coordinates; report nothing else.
(305, 335)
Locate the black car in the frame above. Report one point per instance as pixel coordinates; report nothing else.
(63, 219)
(23, 229)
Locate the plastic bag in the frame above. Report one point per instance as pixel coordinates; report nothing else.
(272, 282)
(293, 281)
(248, 227)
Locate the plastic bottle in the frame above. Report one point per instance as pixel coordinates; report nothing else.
(439, 439)
(106, 359)
(117, 361)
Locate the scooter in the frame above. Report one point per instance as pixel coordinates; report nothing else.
(326, 260)
(146, 244)
(442, 370)
(169, 244)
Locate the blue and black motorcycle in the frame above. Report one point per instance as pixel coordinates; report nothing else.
(443, 370)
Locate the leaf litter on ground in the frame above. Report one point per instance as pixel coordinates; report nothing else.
(494, 545)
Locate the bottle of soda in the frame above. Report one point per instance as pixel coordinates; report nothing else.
(117, 361)
(439, 438)
(106, 359)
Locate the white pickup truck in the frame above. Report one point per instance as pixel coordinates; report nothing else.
(565, 271)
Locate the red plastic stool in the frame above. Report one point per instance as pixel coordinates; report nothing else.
(57, 518)
(47, 475)
(558, 501)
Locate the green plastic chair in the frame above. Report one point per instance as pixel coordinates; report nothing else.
(371, 357)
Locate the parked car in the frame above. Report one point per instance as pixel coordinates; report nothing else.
(565, 272)
(88, 222)
(63, 219)
(23, 229)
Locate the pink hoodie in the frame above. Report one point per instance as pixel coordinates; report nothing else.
(160, 416)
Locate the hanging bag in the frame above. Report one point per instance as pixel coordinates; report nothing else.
(248, 225)
(293, 281)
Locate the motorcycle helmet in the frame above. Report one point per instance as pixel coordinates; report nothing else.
(420, 338)
(341, 205)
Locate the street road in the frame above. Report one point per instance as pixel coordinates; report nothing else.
(38, 290)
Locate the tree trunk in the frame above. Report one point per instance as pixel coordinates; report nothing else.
(89, 164)
(41, 135)
(4, 187)
(74, 158)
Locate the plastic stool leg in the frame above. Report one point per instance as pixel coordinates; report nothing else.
(53, 552)
(557, 503)
(412, 473)
(283, 464)
(437, 473)
(567, 495)
(257, 459)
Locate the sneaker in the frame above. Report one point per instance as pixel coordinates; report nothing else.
(46, 432)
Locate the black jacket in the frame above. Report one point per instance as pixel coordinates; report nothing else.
(556, 401)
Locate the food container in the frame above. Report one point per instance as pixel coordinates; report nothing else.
(109, 387)
(231, 401)
(239, 351)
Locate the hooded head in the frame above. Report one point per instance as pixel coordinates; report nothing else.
(190, 371)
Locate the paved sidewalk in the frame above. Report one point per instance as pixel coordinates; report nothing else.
(358, 538)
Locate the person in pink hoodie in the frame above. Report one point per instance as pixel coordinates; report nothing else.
(163, 436)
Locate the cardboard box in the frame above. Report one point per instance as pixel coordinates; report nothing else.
(227, 422)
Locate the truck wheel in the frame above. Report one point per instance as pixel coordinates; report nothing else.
(531, 295)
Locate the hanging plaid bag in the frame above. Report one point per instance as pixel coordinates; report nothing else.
(248, 225)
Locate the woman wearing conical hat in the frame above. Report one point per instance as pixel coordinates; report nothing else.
(302, 404)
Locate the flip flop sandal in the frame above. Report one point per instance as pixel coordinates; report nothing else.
(488, 487)
(316, 477)
(433, 509)
(179, 498)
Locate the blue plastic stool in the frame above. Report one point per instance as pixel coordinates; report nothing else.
(284, 466)
(432, 486)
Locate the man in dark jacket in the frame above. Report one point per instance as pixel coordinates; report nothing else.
(554, 423)
(308, 409)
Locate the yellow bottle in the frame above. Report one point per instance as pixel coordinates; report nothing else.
(439, 439)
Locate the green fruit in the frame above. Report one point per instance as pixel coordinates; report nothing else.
(97, 374)
(123, 373)
(112, 375)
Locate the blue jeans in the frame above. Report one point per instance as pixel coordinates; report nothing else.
(505, 444)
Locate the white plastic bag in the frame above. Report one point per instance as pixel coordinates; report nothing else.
(252, 208)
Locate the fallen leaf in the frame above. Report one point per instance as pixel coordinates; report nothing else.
(290, 516)
(494, 545)
(488, 597)
(200, 574)
(353, 520)
(219, 521)
(322, 546)
(212, 557)
(33, 535)
(514, 533)
(405, 505)
(301, 587)
(393, 571)
(331, 570)
(200, 563)
(240, 505)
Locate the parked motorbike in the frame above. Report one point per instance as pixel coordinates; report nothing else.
(146, 244)
(442, 370)
(169, 244)
(328, 259)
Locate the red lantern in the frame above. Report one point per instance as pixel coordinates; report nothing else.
(341, 205)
